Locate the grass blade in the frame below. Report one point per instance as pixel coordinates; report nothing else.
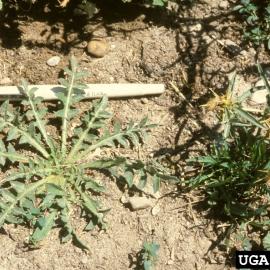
(249, 118)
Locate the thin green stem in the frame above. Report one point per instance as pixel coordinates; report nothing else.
(13, 156)
(40, 123)
(65, 116)
(105, 141)
(77, 146)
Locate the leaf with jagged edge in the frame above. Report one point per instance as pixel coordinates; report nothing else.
(12, 201)
(266, 241)
(91, 206)
(92, 120)
(2, 150)
(37, 112)
(10, 154)
(13, 134)
(42, 227)
(156, 183)
(67, 230)
(104, 163)
(35, 199)
(68, 233)
(6, 113)
(128, 176)
(122, 137)
(68, 98)
(93, 185)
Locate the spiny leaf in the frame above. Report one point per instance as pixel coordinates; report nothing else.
(156, 183)
(128, 175)
(8, 196)
(249, 118)
(12, 134)
(90, 206)
(43, 226)
(98, 109)
(79, 242)
(93, 185)
(266, 241)
(18, 186)
(105, 163)
(28, 190)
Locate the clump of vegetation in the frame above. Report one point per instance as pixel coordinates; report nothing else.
(51, 176)
(149, 255)
(257, 17)
(235, 175)
(229, 108)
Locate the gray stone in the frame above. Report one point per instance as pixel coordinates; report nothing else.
(53, 61)
(155, 210)
(138, 203)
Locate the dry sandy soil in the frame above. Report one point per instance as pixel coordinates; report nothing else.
(183, 46)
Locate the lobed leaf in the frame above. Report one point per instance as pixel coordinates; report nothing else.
(43, 226)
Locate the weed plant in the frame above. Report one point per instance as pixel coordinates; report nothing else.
(235, 176)
(48, 177)
(257, 18)
(149, 255)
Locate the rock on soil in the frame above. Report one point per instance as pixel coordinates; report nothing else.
(155, 210)
(139, 203)
(98, 48)
(224, 4)
(53, 61)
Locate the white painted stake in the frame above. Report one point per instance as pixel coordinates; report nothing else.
(93, 90)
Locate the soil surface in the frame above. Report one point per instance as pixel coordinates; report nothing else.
(183, 47)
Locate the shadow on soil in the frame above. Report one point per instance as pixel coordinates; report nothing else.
(112, 11)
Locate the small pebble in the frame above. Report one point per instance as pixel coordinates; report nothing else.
(53, 61)
(224, 4)
(144, 100)
(138, 203)
(195, 28)
(98, 48)
(155, 210)
(123, 199)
